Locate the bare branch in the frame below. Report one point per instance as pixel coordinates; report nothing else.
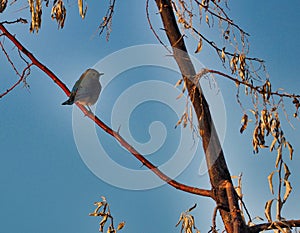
(256, 88)
(20, 20)
(22, 77)
(152, 29)
(274, 225)
(107, 20)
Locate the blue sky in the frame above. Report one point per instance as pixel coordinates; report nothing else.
(44, 182)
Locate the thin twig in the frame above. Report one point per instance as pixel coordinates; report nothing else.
(22, 76)
(152, 29)
(20, 20)
(256, 88)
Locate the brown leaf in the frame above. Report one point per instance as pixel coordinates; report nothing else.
(121, 225)
(245, 123)
(193, 207)
(80, 7)
(3, 4)
(223, 54)
(291, 150)
(178, 82)
(273, 144)
(279, 156)
(36, 15)
(287, 172)
(199, 46)
(207, 20)
(288, 190)
(270, 179)
(179, 221)
(58, 13)
(268, 210)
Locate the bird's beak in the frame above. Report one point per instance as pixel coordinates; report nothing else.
(101, 74)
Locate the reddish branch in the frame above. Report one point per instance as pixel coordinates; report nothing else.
(102, 125)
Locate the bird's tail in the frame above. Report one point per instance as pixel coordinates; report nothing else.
(68, 102)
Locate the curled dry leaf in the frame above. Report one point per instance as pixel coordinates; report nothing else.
(178, 82)
(103, 221)
(268, 210)
(207, 20)
(3, 4)
(273, 144)
(193, 207)
(233, 63)
(244, 121)
(287, 172)
(120, 225)
(80, 7)
(223, 54)
(291, 150)
(36, 15)
(58, 12)
(279, 156)
(270, 179)
(199, 46)
(288, 190)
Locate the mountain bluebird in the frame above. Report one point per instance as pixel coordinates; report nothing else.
(86, 90)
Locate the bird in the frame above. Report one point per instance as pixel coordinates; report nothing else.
(86, 90)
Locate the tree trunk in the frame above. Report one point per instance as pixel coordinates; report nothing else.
(218, 171)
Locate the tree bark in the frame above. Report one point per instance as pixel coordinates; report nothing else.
(217, 168)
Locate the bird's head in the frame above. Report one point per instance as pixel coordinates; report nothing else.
(92, 73)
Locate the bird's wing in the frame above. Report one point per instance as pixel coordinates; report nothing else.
(77, 85)
(88, 88)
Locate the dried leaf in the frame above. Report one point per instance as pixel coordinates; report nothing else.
(233, 63)
(287, 172)
(223, 54)
(185, 119)
(226, 34)
(3, 4)
(193, 207)
(268, 89)
(288, 190)
(199, 46)
(178, 122)
(103, 221)
(279, 155)
(36, 15)
(179, 221)
(80, 7)
(291, 150)
(178, 82)
(245, 123)
(270, 179)
(179, 96)
(184, 87)
(207, 20)
(273, 144)
(121, 225)
(58, 13)
(183, 90)
(268, 210)
(94, 214)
